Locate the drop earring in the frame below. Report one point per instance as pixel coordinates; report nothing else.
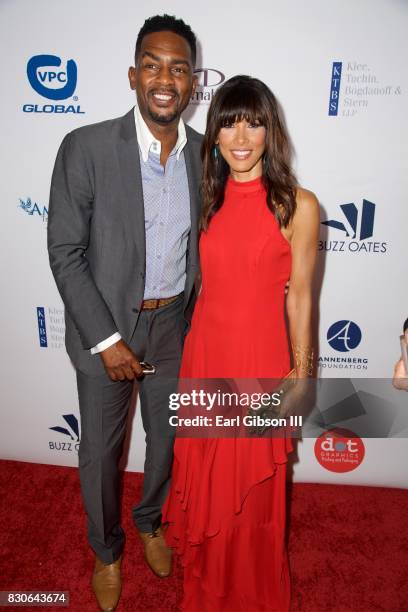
(215, 151)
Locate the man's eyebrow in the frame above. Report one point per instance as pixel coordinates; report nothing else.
(156, 58)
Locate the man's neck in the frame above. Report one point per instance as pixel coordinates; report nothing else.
(166, 134)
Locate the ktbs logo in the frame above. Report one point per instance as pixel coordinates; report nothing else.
(335, 88)
(339, 450)
(50, 79)
(71, 433)
(356, 225)
(51, 327)
(42, 327)
(209, 79)
(344, 336)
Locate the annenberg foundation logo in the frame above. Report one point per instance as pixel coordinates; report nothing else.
(343, 336)
(52, 80)
(356, 226)
(71, 432)
(339, 450)
(209, 79)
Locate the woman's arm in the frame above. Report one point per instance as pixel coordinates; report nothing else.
(304, 236)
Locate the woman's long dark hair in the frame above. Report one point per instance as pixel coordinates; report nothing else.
(245, 98)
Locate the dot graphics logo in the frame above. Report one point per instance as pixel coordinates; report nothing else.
(339, 450)
(49, 79)
(357, 225)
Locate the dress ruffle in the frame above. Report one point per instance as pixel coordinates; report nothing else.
(213, 521)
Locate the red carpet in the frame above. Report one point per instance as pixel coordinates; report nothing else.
(348, 546)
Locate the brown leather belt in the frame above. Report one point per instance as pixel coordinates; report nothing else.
(158, 303)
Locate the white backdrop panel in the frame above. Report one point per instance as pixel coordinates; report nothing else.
(359, 154)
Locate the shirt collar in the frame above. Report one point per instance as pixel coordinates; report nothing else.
(148, 142)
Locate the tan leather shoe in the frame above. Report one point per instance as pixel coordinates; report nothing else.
(107, 584)
(157, 553)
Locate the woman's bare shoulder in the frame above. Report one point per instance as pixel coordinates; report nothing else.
(307, 208)
(306, 198)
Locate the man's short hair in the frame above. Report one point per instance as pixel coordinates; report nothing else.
(167, 23)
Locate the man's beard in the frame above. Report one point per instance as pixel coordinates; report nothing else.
(162, 119)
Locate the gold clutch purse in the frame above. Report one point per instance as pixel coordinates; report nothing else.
(272, 410)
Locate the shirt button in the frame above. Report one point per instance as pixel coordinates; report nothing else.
(161, 223)
(164, 190)
(159, 257)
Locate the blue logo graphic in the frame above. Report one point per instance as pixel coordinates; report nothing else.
(335, 88)
(351, 214)
(73, 427)
(42, 329)
(32, 208)
(344, 336)
(39, 79)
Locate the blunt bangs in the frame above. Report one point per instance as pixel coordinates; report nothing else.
(241, 104)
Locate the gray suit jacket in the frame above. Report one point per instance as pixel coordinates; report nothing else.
(96, 233)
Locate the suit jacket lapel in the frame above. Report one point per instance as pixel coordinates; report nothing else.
(131, 179)
(193, 182)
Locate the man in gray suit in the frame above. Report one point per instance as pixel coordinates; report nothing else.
(122, 240)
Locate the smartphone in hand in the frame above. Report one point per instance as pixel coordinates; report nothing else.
(147, 368)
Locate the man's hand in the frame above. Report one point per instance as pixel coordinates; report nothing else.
(120, 362)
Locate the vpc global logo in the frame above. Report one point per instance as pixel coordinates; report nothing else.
(339, 450)
(209, 79)
(70, 431)
(354, 227)
(343, 336)
(52, 80)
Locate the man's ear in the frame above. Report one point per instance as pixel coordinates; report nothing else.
(132, 77)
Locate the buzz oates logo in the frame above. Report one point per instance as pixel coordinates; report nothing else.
(353, 230)
(209, 79)
(69, 434)
(339, 450)
(343, 336)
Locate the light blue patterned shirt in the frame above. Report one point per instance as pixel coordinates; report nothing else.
(167, 224)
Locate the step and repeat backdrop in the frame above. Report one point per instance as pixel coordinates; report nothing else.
(339, 72)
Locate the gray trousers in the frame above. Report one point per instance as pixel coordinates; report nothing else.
(104, 406)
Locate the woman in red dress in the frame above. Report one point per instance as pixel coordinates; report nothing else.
(226, 507)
